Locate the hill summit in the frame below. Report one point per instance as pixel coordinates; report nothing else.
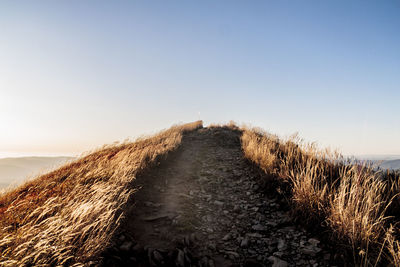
(195, 196)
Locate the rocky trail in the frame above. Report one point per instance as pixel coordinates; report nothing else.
(204, 206)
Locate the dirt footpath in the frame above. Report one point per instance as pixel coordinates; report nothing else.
(203, 206)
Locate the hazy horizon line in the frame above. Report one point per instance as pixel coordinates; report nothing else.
(10, 154)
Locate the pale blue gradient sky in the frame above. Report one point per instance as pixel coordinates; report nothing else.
(77, 74)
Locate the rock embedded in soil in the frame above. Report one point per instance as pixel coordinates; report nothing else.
(277, 262)
(126, 246)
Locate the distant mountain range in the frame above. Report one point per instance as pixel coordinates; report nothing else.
(391, 162)
(13, 171)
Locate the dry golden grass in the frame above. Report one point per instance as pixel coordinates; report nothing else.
(393, 245)
(68, 216)
(351, 199)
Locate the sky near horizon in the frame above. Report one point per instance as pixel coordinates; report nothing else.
(78, 74)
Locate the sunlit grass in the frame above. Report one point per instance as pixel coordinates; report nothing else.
(68, 216)
(352, 200)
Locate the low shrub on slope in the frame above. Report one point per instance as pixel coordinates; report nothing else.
(69, 215)
(356, 202)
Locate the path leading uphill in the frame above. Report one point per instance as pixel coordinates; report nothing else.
(203, 206)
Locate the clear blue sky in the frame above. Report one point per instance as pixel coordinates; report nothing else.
(77, 74)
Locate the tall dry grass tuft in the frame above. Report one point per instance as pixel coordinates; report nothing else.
(351, 199)
(357, 208)
(393, 245)
(262, 149)
(68, 216)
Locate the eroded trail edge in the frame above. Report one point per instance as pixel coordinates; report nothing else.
(203, 206)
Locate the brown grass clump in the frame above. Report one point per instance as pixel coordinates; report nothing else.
(68, 216)
(355, 201)
(393, 245)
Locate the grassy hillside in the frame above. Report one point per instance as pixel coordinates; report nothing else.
(357, 205)
(68, 216)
